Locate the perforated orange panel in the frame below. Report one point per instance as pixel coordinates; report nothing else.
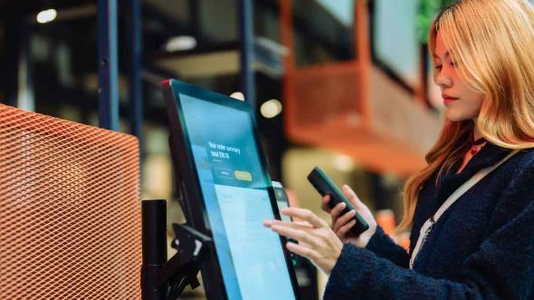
(70, 223)
(323, 93)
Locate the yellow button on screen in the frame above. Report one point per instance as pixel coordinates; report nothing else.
(243, 176)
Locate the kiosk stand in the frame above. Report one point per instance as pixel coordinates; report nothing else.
(162, 279)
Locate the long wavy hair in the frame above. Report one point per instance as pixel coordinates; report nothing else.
(493, 42)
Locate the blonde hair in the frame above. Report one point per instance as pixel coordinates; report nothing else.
(493, 42)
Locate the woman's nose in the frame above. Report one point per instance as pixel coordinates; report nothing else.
(443, 81)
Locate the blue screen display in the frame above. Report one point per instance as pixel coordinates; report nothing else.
(236, 198)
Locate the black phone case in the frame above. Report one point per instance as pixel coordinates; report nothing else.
(325, 186)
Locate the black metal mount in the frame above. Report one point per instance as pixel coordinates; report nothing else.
(162, 279)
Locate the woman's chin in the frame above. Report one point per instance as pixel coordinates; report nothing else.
(455, 116)
(454, 119)
(451, 116)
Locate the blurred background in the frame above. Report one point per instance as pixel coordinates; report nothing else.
(343, 84)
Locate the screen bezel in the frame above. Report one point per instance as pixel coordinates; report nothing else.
(188, 181)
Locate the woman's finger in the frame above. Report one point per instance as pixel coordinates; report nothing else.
(301, 250)
(303, 223)
(353, 198)
(306, 215)
(344, 219)
(336, 211)
(295, 225)
(324, 204)
(299, 234)
(343, 230)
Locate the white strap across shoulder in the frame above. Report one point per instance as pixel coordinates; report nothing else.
(427, 226)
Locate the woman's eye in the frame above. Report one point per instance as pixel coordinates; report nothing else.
(437, 67)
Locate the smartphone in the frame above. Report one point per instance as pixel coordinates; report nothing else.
(325, 186)
(281, 199)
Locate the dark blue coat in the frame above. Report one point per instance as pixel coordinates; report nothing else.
(482, 247)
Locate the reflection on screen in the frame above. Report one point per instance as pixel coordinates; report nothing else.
(236, 198)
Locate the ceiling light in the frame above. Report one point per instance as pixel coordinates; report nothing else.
(343, 163)
(238, 96)
(271, 108)
(180, 43)
(46, 16)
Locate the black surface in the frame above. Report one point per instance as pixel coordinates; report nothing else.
(325, 186)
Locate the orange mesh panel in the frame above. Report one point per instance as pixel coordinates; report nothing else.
(70, 224)
(324, 93)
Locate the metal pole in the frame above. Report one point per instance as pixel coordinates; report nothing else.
(154, 243)
(246, 37)
(108, 74)
(13, 39)
(25, 96)
(136, 93)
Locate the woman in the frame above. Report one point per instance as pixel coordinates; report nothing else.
(482, 245)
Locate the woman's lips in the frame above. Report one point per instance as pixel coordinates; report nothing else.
(448, 100)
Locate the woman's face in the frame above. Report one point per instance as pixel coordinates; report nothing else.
(461, 102)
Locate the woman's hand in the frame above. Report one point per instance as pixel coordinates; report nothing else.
(316, 241)
(341, 224)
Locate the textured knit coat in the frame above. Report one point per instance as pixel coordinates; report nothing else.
(482, 247)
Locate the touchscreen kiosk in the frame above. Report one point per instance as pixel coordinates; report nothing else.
(227, 193)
